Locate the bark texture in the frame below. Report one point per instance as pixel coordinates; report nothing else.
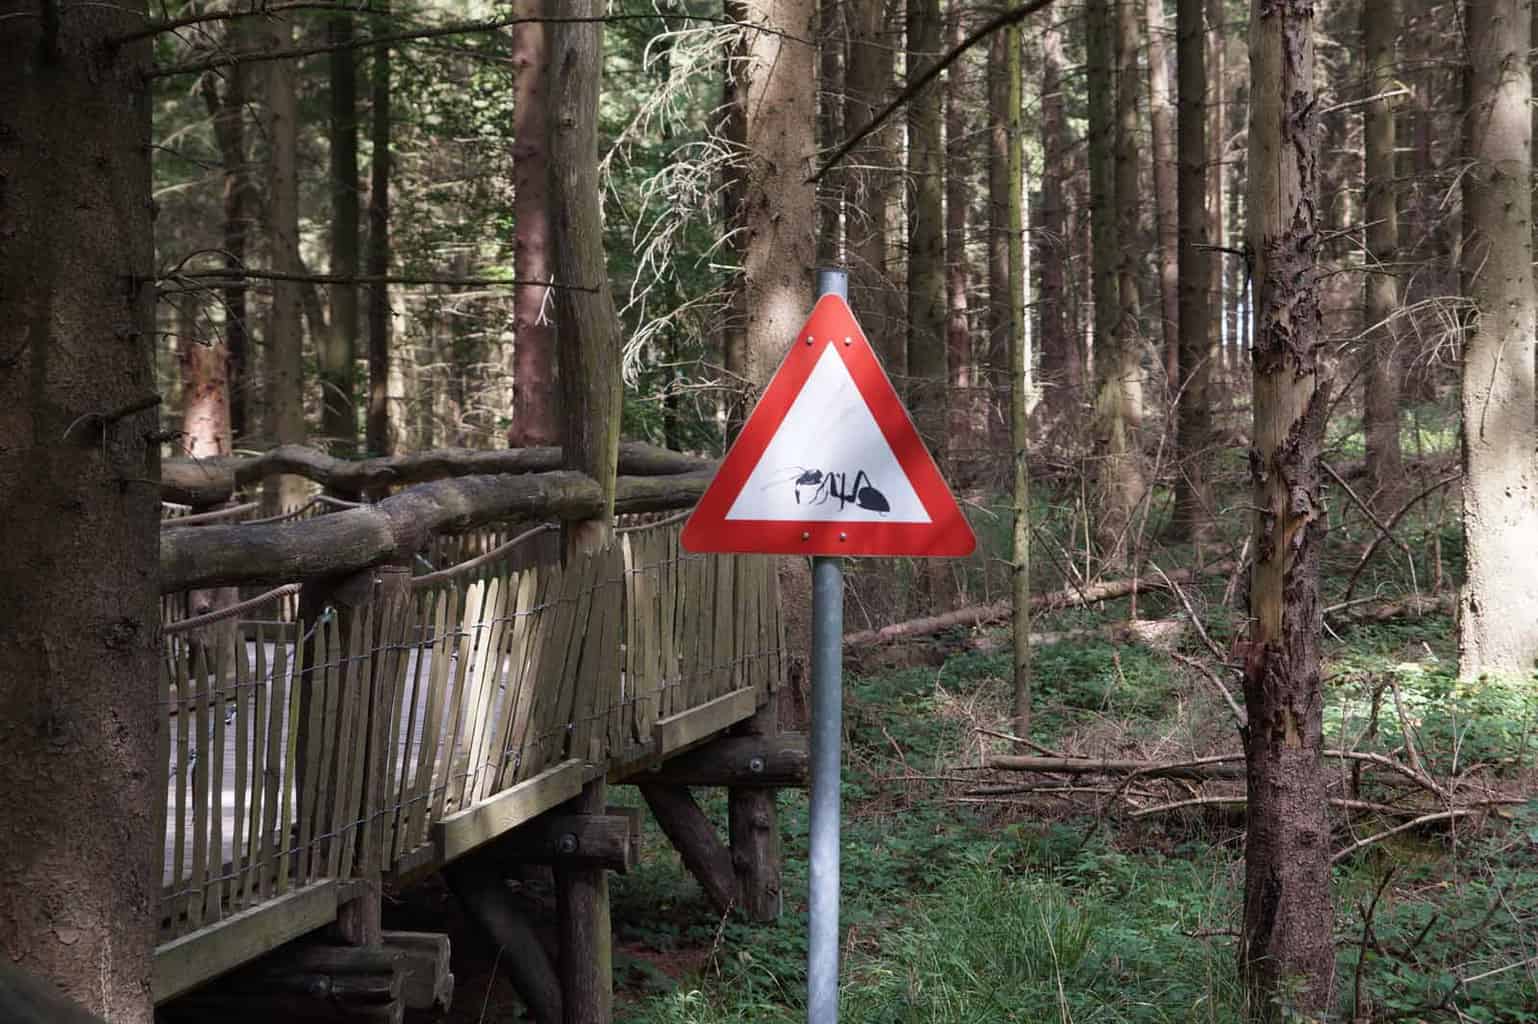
(338, 346)
(79, 867)
(779, 214)
(1286, 946)
(1498, 631)
(960, 438)
(1385, 464)
(283, 369)
(536, 416)
(1193, 490)
(1019, 381)
(377, 428)
(926, 234)
(1161, 120)
(588, 326)
(870, 181)
(1062, 367)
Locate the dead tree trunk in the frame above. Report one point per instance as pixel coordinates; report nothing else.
(1286, 945)
(79, 864)
(536, 418)
(1498, 631)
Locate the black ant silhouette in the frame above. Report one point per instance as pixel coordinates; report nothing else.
(826, 485)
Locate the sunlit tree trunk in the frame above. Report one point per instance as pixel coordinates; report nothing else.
(926, 234)
(1193, 491)
(283, 368)
(1161, 119)
(536, 418)
(1498, 630)
(1286, 945)
(338, 347)
(80, 865)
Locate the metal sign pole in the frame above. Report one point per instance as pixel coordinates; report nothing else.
(827, 758)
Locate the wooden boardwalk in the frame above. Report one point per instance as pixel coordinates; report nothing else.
(427, 718)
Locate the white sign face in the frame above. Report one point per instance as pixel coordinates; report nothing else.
(829, 461)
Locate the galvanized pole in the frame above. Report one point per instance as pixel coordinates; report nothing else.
(827, 760)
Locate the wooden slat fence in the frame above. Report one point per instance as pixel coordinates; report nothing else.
(365, 746)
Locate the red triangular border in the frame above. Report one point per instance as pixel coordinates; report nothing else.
(946, 535)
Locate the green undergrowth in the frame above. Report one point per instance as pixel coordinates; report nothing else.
(980, 913)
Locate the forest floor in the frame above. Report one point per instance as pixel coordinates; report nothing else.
(975, 896)
(978, 896)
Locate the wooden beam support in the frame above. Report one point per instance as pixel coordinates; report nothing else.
(395, 529)
(458, 834)
(603, 841)
(484, 894)
(694, 837)
(754, 826)
(587, 956)
(781, 760)
(207, 482)
(308, 982)
(183, 964)
(689, 728)
(422, 958)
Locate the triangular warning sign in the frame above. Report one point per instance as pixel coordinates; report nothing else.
(829, 463)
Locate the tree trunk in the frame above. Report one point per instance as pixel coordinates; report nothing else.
(779, 207)
(283, 368)
(996, 361)
(1019, 380)
(734, 135)
(378, 423)
(960, 441)
(1062, 370)
(1217, 151)
(1193, 490)
(1498, 632)
(229, 116)
(591, 390)
(1113, 171)
(79, 698)
(536, 418)
(1161, 117)
(1286, 946)
(338, 347)
(1380, 383)
(926, 234)
(830, 98)
(869, 181)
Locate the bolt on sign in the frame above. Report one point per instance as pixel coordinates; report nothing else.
(829, 462)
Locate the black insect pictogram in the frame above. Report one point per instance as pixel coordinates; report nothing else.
(819, 486)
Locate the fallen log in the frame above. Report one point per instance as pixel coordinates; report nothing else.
(393, 530)
(1222, 766)
(998, 611)
(203, 482)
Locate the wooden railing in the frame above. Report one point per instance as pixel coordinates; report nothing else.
(431, 717)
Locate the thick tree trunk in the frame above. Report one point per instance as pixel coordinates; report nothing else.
(283, 368)
(338, 347)
(1193, 490)
(870, 181)
(536, 418)
(378, 418)
(1113, 172)
(926, 234)
(79, 698)
(229, 116)
(1062, 368)
(1286, 946)
(1498, 631)
(1380, 23)
(1161, 119)
(960, 440)
(779, 207)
